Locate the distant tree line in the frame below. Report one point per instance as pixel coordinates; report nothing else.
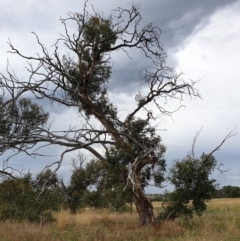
(223, 192)
(227, 192)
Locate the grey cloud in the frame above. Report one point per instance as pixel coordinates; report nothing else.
(178, 20)
(28, 17)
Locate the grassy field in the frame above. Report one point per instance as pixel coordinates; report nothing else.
(221, 222)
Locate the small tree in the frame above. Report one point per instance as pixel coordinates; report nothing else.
(193, 186)
(16, 197)
(48, 195)
(21, 199)
(82, 178)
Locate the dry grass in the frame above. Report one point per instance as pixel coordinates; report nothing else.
(88, 217)
(24, 231)
(224, 204)
(220, 223)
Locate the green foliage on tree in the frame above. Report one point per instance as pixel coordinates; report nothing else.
(89, 90)
(15, 199)
(19, 119)
(228, 192)
(82, 178)
(24, 199)
(98, 185)
(110, 183)
(48, 192)
(193, 186)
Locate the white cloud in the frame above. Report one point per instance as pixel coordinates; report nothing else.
(212, 56)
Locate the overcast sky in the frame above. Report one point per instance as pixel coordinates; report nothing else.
(202, 41)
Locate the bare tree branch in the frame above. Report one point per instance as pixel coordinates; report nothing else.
(229, 135)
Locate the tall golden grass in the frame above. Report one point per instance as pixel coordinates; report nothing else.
(221, 222)
(88, 217)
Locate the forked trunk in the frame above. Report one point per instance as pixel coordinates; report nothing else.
(144, 208)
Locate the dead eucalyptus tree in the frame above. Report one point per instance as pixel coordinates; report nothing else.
(80, 79)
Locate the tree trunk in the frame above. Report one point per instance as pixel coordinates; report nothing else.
(144, 208)
(143, 204)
